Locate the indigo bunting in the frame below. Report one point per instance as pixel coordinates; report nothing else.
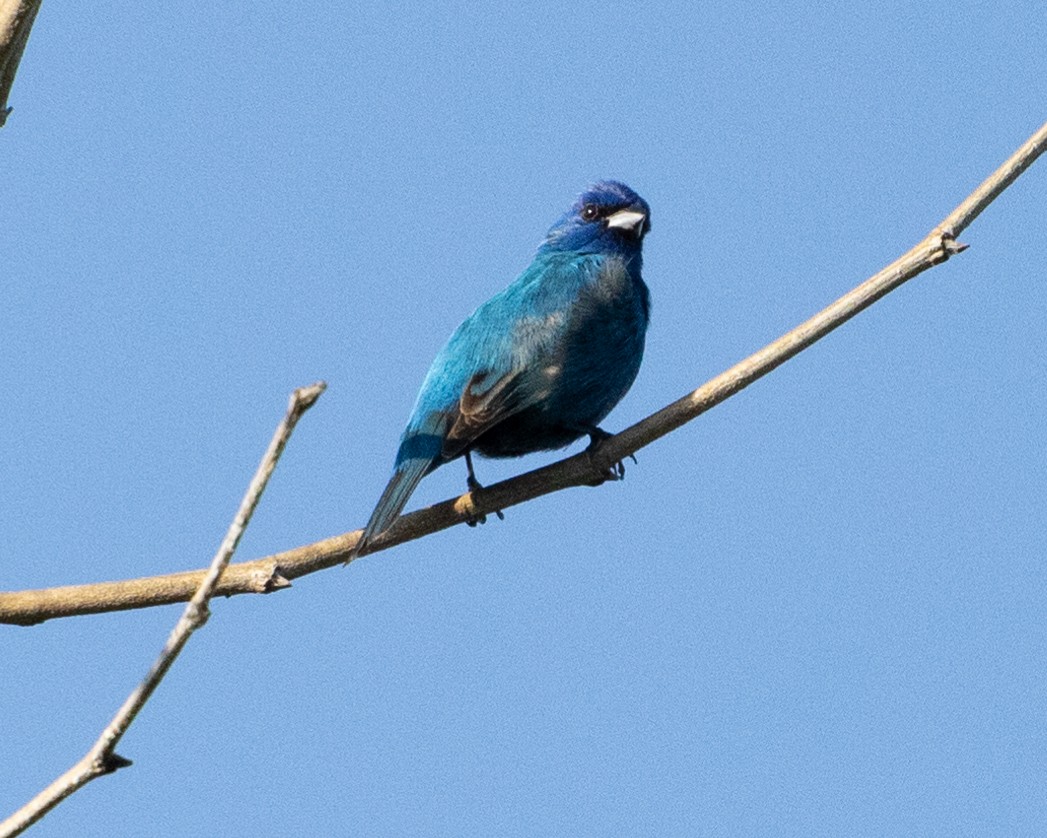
(541, 363)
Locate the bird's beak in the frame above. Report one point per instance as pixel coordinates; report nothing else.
(629, 220)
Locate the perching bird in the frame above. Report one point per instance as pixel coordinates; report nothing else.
(541, 363)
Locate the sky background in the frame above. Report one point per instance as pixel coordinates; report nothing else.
(817, 610)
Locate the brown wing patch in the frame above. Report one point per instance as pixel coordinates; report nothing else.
(482, 405)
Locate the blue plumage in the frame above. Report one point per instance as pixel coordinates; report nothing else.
(541, 363)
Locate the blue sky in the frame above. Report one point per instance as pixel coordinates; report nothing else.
(817, 610)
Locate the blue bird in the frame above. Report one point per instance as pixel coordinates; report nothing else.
(541, 363)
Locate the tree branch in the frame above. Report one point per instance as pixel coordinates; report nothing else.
(102, 758)
(16, 19)
(274, 572)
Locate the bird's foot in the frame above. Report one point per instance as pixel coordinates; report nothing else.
(473, 519)
(616, 471)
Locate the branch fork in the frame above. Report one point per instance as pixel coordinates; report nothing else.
(102, 759)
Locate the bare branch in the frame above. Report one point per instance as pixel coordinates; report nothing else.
(274, 572)
(16, 19)
(102, 758)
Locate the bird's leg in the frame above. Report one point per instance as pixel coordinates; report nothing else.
(471, 480)
(596, 438)
(474, 485)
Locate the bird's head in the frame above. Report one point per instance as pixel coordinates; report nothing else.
(607, 218)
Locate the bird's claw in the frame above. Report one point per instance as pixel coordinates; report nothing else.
(472, 520)
(482, 519)
(616, 471)
(612, 474)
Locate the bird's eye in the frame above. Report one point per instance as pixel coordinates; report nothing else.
(590, 212)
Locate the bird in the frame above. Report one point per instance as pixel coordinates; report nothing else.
(542, 362)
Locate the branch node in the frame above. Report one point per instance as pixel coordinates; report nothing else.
(946, 235)
(304, 398)
(109, 763)
(275, 581)
(264, 579)
(197, 615)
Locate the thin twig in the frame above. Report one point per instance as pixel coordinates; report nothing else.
(16, 20)
(274, 572)
(102, 758)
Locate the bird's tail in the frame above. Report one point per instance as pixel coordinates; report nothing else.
(398, 490)
(419, 454)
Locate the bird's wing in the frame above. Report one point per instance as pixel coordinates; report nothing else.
(486, 372)
(485, 401)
